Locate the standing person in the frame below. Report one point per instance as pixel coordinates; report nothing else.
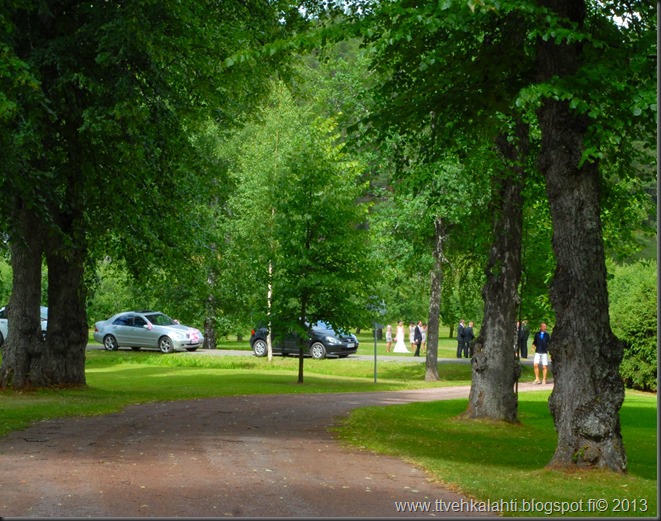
(541, 345)
(470, 336)
(400, 346)
(523, 333)
(412, 335)
(388, 338)
(461, 336)
(424, 338)
(417, 337)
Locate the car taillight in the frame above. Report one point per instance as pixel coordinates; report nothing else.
(252, 331)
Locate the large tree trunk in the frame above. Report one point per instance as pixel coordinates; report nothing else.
(495, 368)
(433, 323)
(60, 360)
(63, 360)
(24, 343)
(588, 391)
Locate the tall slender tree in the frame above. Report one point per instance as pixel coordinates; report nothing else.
(297, 216)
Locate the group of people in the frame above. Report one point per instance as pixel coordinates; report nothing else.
(465, 337)
(417, 338)
(540, 343)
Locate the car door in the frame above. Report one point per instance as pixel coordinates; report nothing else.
(121, 330)
(146, 334)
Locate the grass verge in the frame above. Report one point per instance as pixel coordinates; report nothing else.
(504, 464)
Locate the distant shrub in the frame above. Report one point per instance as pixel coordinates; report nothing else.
(633, 313)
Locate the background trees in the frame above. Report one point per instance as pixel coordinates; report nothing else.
(633, 296)
(119, 124)
(531, 63)
(295, 224)
(105, 100)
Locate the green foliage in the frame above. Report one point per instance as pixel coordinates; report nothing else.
(110, 293)
(295, 222)
(108, 113)
(5, 282)
(537, 259)
(633, 311)
(462, 294)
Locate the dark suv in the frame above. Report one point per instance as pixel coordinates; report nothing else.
(322, 341)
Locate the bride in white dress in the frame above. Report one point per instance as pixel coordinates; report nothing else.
(400, 346)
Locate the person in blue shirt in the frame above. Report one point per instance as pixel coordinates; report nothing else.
(541, 345)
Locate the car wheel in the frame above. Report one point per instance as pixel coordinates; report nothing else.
(259, 347)
(165, 344)
(136, 348)
(110, 343)
(191, 349)
(318, 351)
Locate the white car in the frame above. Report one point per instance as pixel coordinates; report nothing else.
(149, 329)
(4, 324)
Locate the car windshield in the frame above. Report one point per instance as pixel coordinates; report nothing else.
(323, 326)
(159, 319)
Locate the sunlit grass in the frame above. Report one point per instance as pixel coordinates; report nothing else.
(498, 461)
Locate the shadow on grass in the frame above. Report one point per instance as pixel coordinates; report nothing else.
(440, 428)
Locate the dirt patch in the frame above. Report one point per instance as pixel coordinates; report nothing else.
(244, 456)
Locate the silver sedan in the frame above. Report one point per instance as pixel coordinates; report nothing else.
(148, 329)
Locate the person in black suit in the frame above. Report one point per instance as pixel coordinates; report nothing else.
(461, 340)
(470, 336)
(523, 333)
(417, 337)
(541, 345)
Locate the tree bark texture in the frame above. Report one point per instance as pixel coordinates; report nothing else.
(209, 334)
(210, 308)
(63, 361)
(431, 362)
(588, 391)
(28, 360)
(24, 343)
(495, 368)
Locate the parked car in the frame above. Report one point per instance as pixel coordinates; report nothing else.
(322, 341)
(148, 329)
(4, 323)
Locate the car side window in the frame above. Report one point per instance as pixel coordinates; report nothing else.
(139, 322)
(3, 313)
(121, 321)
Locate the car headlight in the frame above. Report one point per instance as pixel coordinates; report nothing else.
(333, 341)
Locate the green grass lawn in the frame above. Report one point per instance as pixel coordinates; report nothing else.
(498, 462)
(485, 460)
